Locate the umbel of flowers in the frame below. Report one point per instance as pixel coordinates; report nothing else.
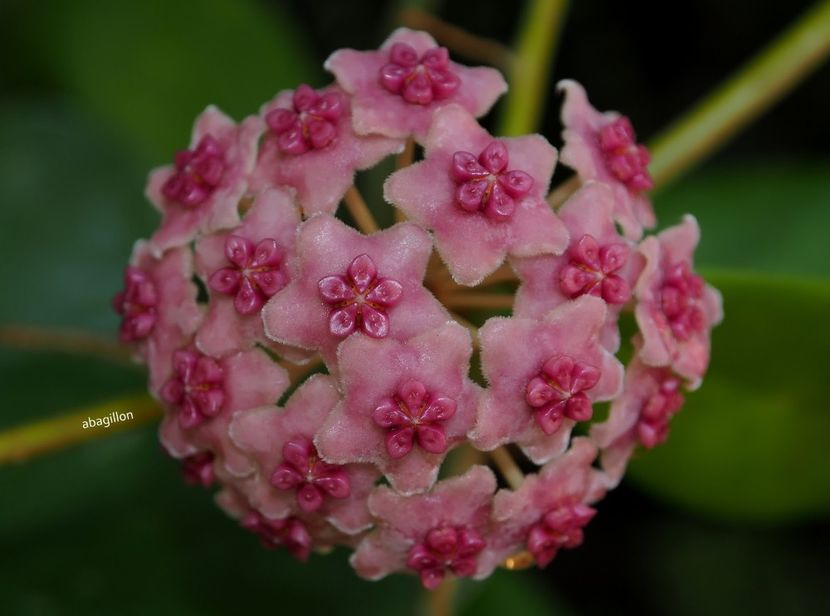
(320, 372)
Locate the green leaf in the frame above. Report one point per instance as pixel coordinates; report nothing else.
(149, 67)
(72, 208)
(751, 443)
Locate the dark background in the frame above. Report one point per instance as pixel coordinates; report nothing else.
(729, 517)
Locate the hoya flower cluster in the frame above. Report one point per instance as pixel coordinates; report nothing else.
(321, 375)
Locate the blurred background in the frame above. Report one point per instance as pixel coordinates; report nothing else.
(730, 516)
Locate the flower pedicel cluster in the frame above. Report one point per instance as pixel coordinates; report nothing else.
(287, 290)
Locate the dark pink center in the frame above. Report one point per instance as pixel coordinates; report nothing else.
(446, 548)
(559, 528)
(360, 299)
(484, 184)
(302, 470)
(419, 80)
(413, 415)
(137, 304)
(658, 409)
(198, 172)
(196, 387)
(592, 269)
(558, 391)
(255, 273)
(626, 159)
(680, 301)
(198, 468)
(310, 125)
(289, 532)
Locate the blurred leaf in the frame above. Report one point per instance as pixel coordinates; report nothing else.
(692, 569)
(751, 443)
(72, 206)
(150, 67)
(760, 216)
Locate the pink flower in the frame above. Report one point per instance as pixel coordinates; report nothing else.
(291, 476)
(198, 468)
(397, 89)
(406, 404)
(549, 510)
(348, 282)
(544, 377)
(158, 306)
(598, 262)
(296, 534)
(602, 147)
(443, 531)
(202, 394)
(201, 190)
(641, 415)
(482, 198)
(675, 308)
(243, 268)
(310, 145)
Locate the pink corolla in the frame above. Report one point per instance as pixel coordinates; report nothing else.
(158, 306)
(676, 309)
(397, 89)
(444, 531)
(297, 535)
(291, 476)
(348, 282)
(598, 262)
(483, 198)
(544, 376)
(549, 510)
(201, 395)
(602, 147)
(242, 269)
(200, 192)
(310, 145)
(640, 416)
(406, 404)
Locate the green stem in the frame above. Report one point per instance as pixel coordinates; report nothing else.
(743, 97)
(21, 443)
(530, 71)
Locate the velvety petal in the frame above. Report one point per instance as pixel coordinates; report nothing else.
(327, 247)
(512, 353)
(470, 243)
(372, 371)
(219, 211)
(583, 154)
(376, 110)
(320, 176)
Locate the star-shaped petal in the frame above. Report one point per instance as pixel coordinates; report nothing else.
(602, 147)
(202, 394)
(442, 531)
(242, 269)
(397, 88)
(675, 309)
(291, 479)
(482, 198)
(348, 282)
(598, 262)
(200, 192)
(544, 376)
(547, 512)
(406, 404)
(310, 145)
